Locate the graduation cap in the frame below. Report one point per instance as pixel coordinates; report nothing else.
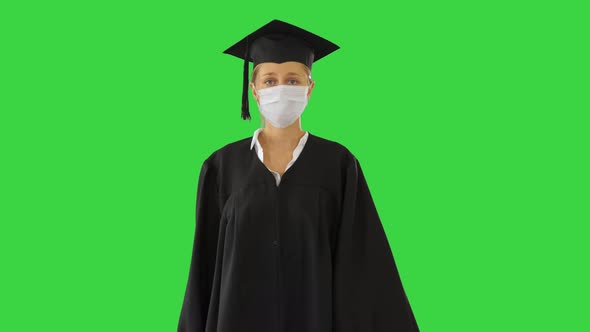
(278, 41)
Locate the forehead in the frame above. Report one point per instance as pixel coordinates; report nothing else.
(281, 68)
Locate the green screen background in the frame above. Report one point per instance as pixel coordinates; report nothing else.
(470, 120)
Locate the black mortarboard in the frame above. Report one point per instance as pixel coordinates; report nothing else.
(278, 41)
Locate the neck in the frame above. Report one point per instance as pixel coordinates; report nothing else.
(281, 137)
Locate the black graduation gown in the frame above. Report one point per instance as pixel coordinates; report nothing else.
(309, 255)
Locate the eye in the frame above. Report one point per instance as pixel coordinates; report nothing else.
(265, 82)
(296, 82)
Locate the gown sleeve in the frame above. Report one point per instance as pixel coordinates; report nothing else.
(195, 306)
(368, 295)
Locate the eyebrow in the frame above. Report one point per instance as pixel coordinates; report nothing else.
(289, 73)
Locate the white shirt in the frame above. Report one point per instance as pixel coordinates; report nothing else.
(260, 153)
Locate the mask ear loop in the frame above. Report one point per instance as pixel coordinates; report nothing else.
(256, 90)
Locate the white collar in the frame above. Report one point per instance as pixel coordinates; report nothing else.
(257, 131)
(255, 137)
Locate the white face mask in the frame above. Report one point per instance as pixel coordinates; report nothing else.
(281, 105)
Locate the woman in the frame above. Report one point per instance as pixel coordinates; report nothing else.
(287, 235)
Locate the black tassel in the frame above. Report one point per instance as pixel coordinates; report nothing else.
(245, 106)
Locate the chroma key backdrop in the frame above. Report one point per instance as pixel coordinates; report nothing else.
(470, 120)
